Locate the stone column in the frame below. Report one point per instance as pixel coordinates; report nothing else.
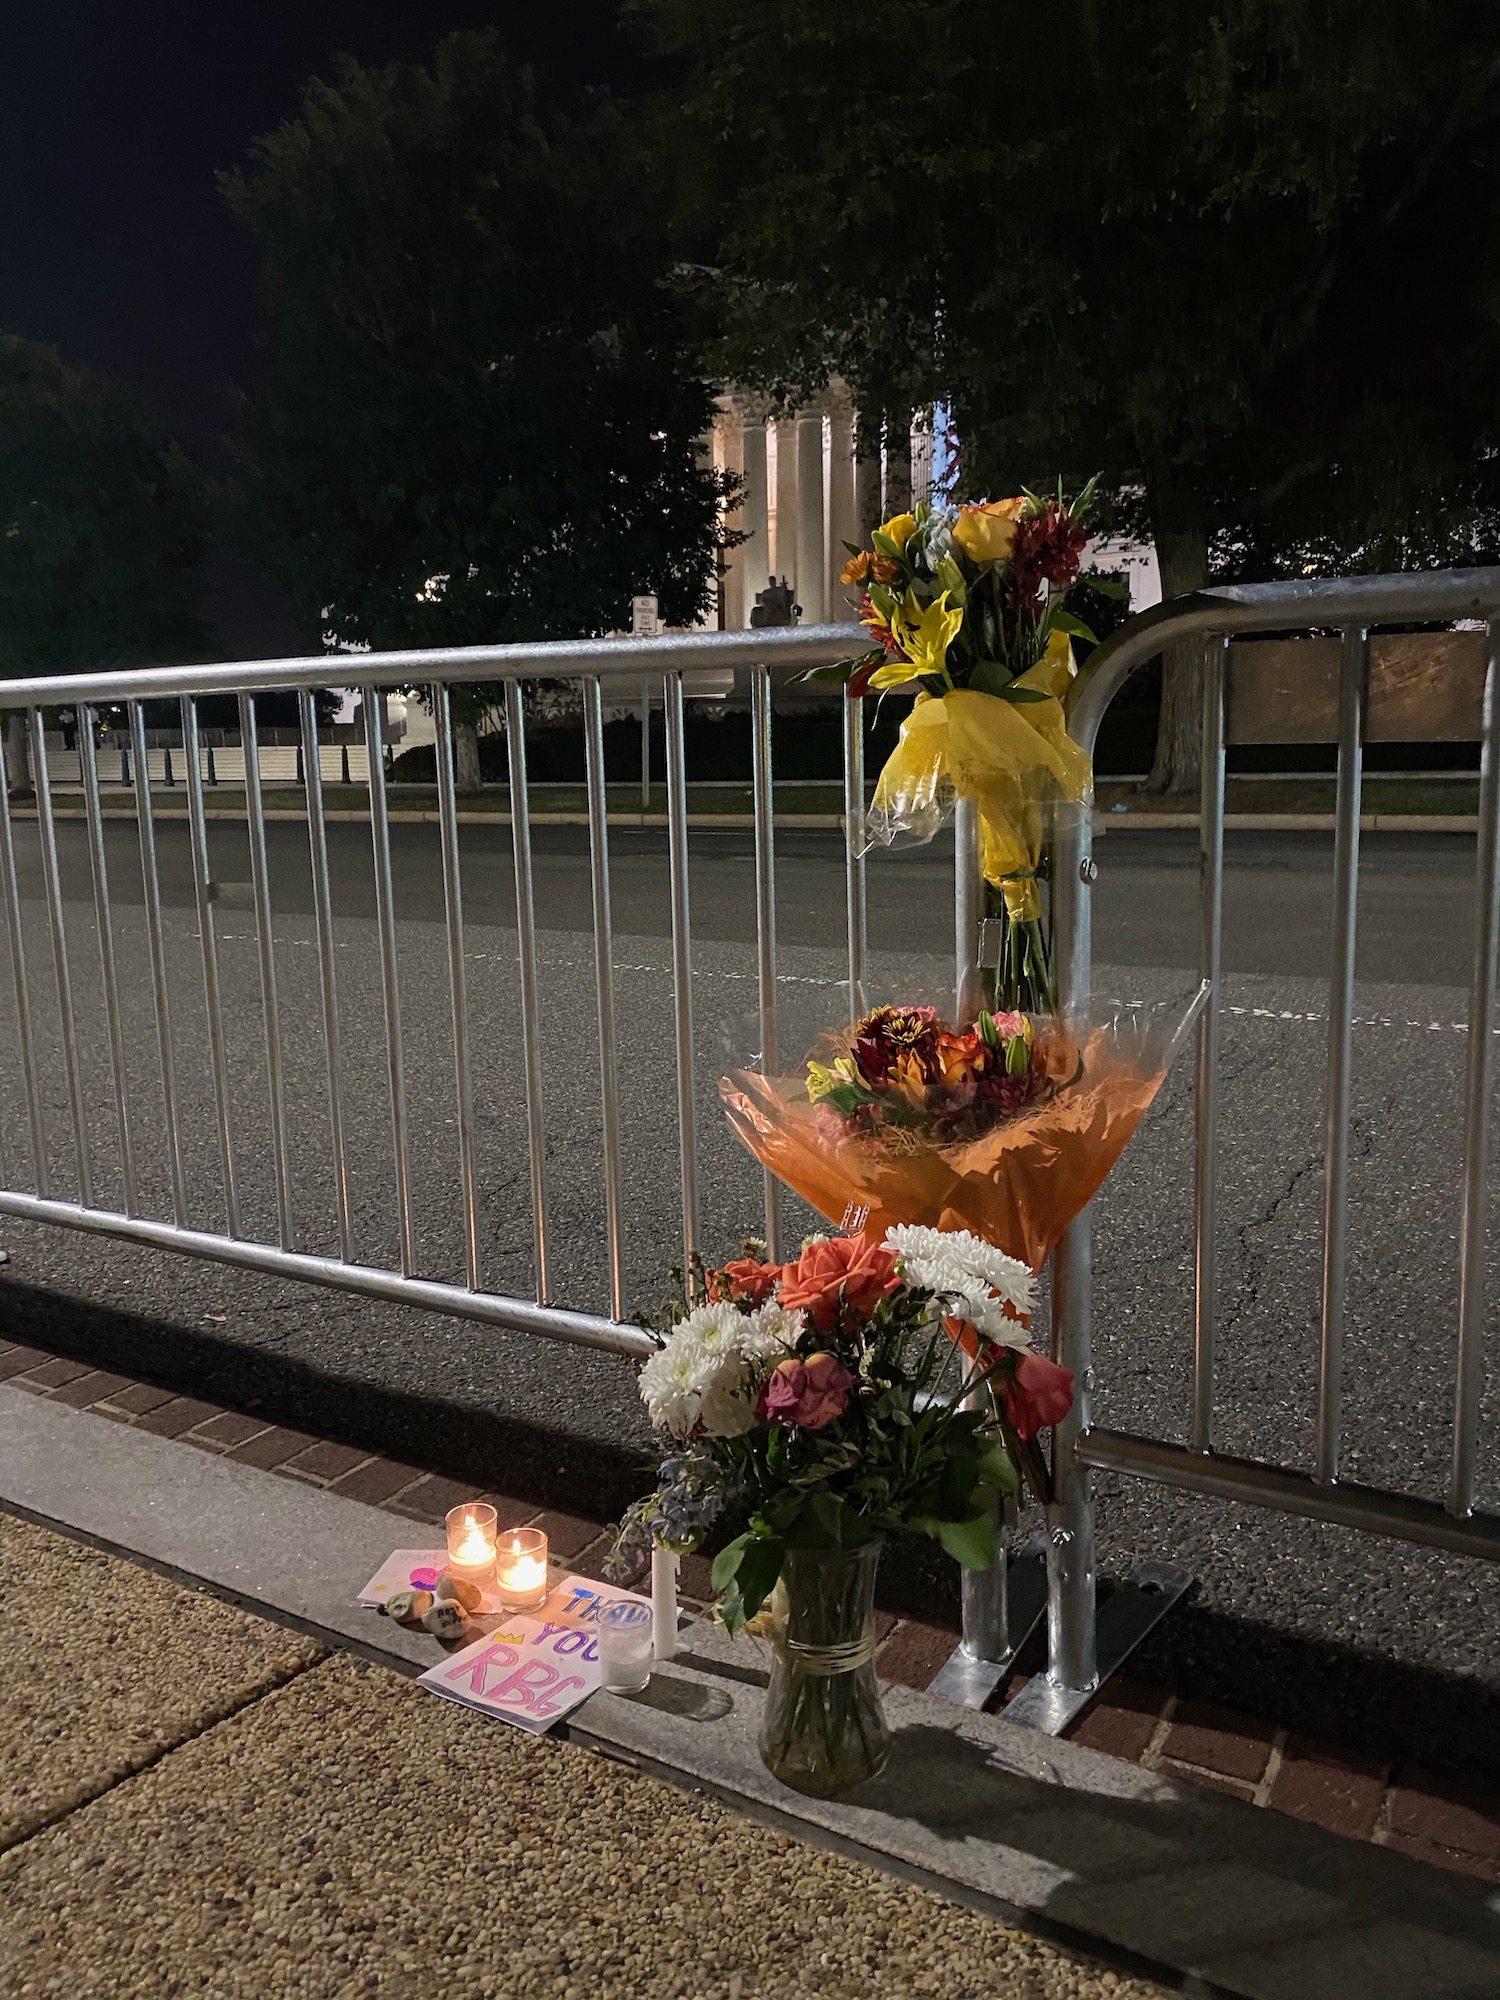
(812, 544)
(843, 512)
(753, 557)
(921, 455)
(784, 540)
(729, 457)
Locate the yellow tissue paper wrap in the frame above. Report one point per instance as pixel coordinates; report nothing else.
(1014, 759)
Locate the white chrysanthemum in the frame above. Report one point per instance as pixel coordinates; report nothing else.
(715, 1327)
(981, 1280)
(770, 1332)
(727, 1408)
(672, 1383)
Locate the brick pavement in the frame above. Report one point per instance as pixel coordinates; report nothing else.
(1436, 1819)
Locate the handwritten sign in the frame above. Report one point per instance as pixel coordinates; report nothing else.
(528, 1671)
(406, 1569)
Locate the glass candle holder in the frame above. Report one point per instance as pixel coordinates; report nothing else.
(521, 1569)
(471, 1541)
(625, 1640)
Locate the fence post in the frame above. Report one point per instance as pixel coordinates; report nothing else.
(1071, 1645)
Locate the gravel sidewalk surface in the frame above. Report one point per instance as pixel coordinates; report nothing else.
(308, 1826)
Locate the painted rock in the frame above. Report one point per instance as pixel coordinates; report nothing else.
(408, 1607)
(446, 1619)
(458, 1590)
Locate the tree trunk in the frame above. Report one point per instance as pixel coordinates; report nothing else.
(897, 467)
(466, 759)
(18, 756)
(1182, 552)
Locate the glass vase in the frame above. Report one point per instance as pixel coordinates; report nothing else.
(823, 1729)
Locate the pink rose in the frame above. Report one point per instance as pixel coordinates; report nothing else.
(1038, 1395)
(746, 1280)
(808, 1393)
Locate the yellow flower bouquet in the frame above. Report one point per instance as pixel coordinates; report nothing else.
(968, 606)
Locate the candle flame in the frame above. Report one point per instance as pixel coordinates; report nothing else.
(474, 1548)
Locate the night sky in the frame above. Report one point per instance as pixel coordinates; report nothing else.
(115, 119)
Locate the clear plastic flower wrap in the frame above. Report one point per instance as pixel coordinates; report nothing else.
(1006, 1126)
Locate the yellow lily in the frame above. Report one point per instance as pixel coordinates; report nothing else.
(821, 1079)
(898, 529)
(924, 632)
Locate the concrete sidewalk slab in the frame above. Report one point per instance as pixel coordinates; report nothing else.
(1097, 1849)
(107, 1667)
(348, 1835)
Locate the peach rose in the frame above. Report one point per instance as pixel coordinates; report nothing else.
(749, 1280)
(844, 1274)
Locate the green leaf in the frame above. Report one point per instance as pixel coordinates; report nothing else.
(1064, 621)
(883, 545)
(970, 1542)
(728, 1560)
(752, 1583)
(996, 1470)
(1014, 693)
(1106, 585)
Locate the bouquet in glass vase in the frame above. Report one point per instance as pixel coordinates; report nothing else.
(968, 605)
(818, 1406)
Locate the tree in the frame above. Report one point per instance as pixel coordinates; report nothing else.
(482, 409)
(1238, 258)
(101, 530)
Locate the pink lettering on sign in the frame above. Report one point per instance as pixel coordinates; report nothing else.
(474, 1670)
(530, 1683)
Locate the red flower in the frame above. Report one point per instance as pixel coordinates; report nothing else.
(1038, 1395)
(810, 1394)
(845, 1274)
(1048, 549)
(746, 1280)
(883, 1037)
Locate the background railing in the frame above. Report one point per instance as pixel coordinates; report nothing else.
(66, 1174)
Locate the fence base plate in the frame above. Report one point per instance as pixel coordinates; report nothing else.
(1125, 1617)
(966, 1679)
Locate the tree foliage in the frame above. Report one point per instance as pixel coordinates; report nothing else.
(482, 404)
(101, 524)
(1240, 258)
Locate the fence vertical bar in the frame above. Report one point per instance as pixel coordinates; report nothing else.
(212, 998)
(88, 764)
(645, 745)
(260, 883)
(531, 1053)
(20, 987)
(453, 910)
(854, 859)
(763, 775)
(604, 978)
(1479, 1067)
(317, 841)
(57, 926)
(151, 888)
(1206, 1089)
(968, 912)
(385, 923)
(682, 961)
(1072, 1646)
(1353, 672)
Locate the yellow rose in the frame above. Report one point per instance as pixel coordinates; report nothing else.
(988, 534)
(899, 529)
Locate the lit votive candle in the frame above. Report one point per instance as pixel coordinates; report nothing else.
(521, 1569)
(625, 1646)
(471, 1542)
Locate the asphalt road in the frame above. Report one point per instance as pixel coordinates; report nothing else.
(1281, 1603)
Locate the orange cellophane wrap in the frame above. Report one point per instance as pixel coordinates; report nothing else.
(1018, 1187)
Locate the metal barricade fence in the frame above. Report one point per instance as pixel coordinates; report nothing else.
(1078, 1655)
(1075, 1663)
(671, 663)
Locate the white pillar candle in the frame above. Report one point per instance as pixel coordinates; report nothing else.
(625, 1642)
(664, 1600)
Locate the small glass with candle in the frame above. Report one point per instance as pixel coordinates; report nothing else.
(626, 1646)
(471, 1542)
(521, 1569)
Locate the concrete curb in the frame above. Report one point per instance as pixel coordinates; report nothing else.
(1216, 1894)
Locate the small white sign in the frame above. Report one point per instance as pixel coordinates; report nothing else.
(645, 619)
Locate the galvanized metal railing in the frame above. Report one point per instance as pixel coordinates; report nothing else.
(1078, 1655)
(670, 663)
